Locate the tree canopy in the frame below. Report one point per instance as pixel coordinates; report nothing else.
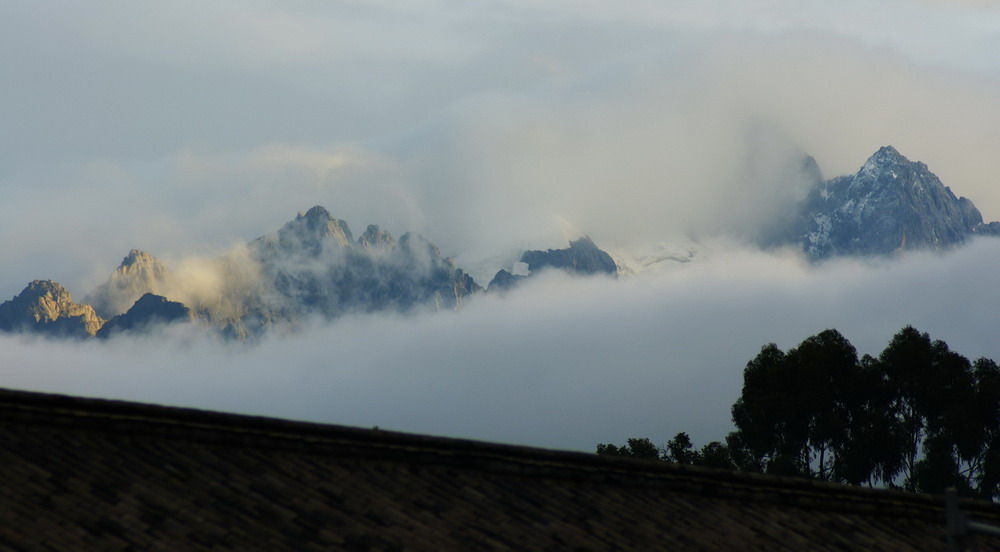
(919, 416)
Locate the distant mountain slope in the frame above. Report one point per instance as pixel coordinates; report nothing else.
(890, 204)
(148, 311)
(581, 257)
(312, 266)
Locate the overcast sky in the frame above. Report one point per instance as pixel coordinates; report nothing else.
(184, 128)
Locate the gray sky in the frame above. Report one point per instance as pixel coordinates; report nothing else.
(184, 128)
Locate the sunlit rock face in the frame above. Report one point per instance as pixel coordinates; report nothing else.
(890, 204)
(147, 314)
(45, 307)
(139, 273)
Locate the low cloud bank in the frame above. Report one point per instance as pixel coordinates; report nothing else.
(561, 362)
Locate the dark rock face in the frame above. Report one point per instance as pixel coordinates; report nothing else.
(46, 308)
(503, 281)
(147, 313)
(582, 257)
(988, 229)
(891, 204)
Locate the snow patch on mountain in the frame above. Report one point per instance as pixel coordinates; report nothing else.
(655, 256)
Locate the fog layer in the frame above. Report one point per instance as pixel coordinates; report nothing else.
(561, 362)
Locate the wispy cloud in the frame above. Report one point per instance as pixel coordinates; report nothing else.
(487, 128)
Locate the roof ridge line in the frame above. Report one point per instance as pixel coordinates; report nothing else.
(471, 454)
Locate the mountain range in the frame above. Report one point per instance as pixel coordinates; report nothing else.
(314, 268)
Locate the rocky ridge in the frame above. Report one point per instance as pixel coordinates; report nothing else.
(45, 307)
(889, 205)
(148, 311)
(581, 257)
(314, 267)
(311, 267)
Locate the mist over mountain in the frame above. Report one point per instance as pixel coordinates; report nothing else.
(581, 257)
(314, 268)
(148, 312)
(311, 268)
(138, 274)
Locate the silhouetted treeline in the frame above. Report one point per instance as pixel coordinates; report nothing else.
(920, 416)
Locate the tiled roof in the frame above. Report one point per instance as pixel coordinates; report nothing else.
(85, 474)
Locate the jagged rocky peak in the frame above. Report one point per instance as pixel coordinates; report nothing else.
(809, 169)
(318, 223)
(885, 155)
(503, 281)
(376, 239)
(140, 261)
(310, 233)
(889, 169)
(582, 256)
(890, 204)
(147, 313)
(375, 273)
(139, 273)
(46, 307)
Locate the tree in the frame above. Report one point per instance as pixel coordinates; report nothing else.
(824, 369)
(716, 455)
(681, 451)
(741, 454)
(933, 392)
(986, 464)
(920, 414)
(874, 444)
(770, 431)
(937, 469)
(637, 447)
(797, 410)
